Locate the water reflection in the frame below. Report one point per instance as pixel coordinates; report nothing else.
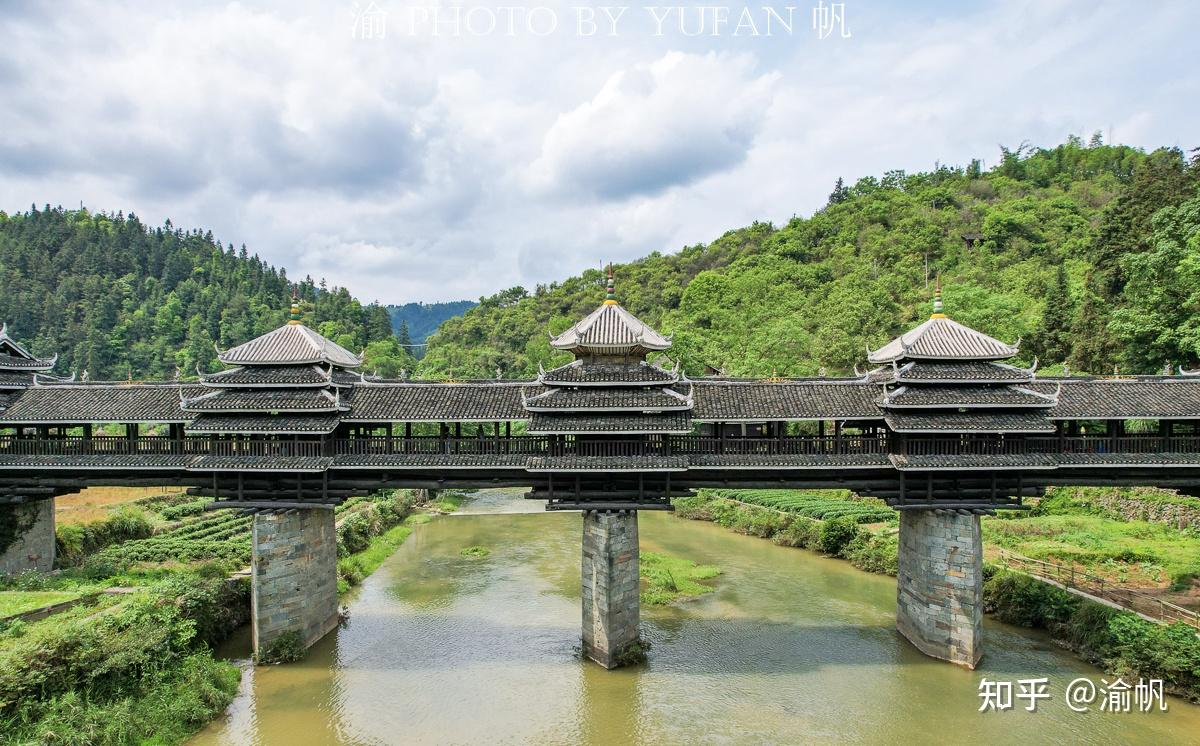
(790, 648)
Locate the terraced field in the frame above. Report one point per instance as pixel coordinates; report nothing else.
(809, 505)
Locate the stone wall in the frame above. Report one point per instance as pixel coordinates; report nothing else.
(34, 548)
(611, 605)
(294, 583)
(939, 588)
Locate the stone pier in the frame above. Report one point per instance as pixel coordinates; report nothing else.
(294, 584)
(32, 547)
(939, 587)
(611, 607)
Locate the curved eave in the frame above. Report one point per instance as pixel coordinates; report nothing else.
(268, 412)
(682, 407)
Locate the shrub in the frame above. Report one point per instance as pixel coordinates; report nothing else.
(76, 541)
(878, 554)
(836, 533)
(287, 648)
(1021, 599)
(799, 532)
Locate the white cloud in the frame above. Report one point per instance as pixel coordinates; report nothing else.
(419, 169)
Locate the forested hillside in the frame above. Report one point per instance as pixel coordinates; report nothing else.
(118, 299)
(418, 320)
(1089, 253)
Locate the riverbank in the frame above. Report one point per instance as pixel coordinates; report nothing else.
(137, 667)
(1120, 642)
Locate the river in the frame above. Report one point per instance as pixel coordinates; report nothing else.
(791, 648)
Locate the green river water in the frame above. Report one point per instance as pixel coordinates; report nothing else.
(791, 648)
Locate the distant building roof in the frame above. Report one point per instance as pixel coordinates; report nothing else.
(14, 357)
(942, 338)
(291, 344)
(610, 329)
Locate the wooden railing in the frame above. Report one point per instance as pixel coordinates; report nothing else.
(1094, 585)
(795, 445)
(617, 447)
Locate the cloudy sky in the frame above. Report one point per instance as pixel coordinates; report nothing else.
(361, 143)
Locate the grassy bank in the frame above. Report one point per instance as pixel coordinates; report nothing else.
(1120, 642)
(135, 669)
(667, 578)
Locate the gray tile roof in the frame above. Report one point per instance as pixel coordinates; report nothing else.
(108, 461)
(437, 402)
(430, 460)
(970, 397)
(929, 371)
(610, 328)
(606, 463)
(941, 338)
(1033, 421)
(581, 372)
(1068, 460)
(1148, 398)
(266, 400)
(667, 422)
(271, 375)
(622, 398)
(972, 461)
(732, 401)
(281, 424)
(763, 461)
(290, 344)
(98, 402)
(260, 463)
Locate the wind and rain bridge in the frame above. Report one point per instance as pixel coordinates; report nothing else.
(940, 427)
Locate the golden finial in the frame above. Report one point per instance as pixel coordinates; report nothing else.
(294, 317)
(937, 300)
(610, 295)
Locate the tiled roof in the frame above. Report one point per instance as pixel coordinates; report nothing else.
(290, 344)
(607, 463)
(969, 422)
(928, 371)
(437, 402)
(622, 398)
(763, 461)
(15, 379)
(14, 362)
(1149, 398)
(610, 327)
(261, 463)
(668, 422)
(732, 401)
(98, 402)
(941, 338)
(973, 397)
(579, 373)
(282, 424)
(266, 400)
(109, 461)
(973, 461)
(1068, 460)
(430, 460)
(270, 375)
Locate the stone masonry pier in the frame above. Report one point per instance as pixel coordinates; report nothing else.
(33, 548)
(295, 575)
(611, 606)
(939, 588)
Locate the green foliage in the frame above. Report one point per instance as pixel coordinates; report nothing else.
(1122, 642)
(475, 551)
(118, 299)
(1062, 229)
(75, 541)
(824, 505)
(131, 671)
(289, 647)
(376, 526)
(836, 534)
(668, 578)
(216, 535)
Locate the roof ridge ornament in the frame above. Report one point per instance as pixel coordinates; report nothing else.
(294, 317)
(937, 299)
(610, 292)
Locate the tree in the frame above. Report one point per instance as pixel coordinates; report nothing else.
(840, 192)
(1052, 341)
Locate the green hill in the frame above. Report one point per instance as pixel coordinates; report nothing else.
(118, 299)
(422, 319)
(1089, 253)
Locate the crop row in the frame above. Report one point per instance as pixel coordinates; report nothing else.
(812, 506)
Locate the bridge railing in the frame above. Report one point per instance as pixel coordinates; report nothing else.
(431, 444)
(265, 448)
(962, 446)
(796, 445)
(98, 445)
(1072, 578)
(1147, 443)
